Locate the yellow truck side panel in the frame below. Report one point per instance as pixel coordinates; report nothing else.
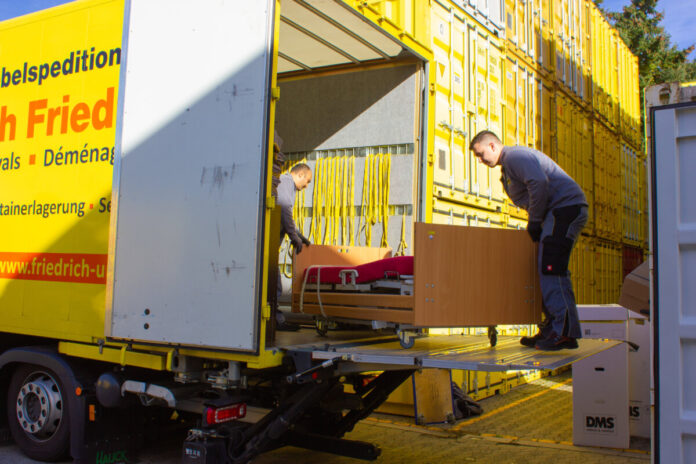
(57, 122)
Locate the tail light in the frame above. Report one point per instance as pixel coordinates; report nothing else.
(225, 413)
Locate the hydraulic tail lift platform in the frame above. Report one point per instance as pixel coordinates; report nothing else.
(468, 352)
(316, 409)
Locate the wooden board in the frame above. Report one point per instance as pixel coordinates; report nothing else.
(433, 396)
(364, 313)
(474, 276)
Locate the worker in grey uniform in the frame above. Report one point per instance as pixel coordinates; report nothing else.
(557, 210)
(296, 180)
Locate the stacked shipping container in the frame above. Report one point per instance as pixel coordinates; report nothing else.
(569, 88)
(549, 74)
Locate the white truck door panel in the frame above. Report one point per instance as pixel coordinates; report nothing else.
(674, 291)
(185, 258)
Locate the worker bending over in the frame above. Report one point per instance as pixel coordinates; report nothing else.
(557, 210)
(297, 179)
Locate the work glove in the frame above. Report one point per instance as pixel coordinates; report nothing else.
(534, 230)
(297, 245)
(305, 240)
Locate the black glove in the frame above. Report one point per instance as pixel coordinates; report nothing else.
(305, 240)
(297, 245)
(534, 230)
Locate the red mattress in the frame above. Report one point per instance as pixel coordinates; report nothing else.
(368, 272)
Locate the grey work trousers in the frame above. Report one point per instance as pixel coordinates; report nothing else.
(560, 231)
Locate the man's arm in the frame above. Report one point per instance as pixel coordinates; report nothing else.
(286, 201)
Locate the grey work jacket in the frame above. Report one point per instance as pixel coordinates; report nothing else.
(286, 200)
(534, 182)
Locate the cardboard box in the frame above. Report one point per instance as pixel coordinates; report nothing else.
(635, 292)
(639, 375)
(600, 399)
(617, 323)
(600, 382)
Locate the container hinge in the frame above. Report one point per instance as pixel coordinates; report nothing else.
(270, 202)
(266, 312)
(275, 93)
(430, 159)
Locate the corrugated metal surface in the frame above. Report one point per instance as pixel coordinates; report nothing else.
(573, 149)
(608, 271)
(629, 96)
(523, 122)
(445, 212)
(468, 98)
(607, 183)
(605, 69)
(582, 268)
(633, 193)
(673, 247)
(570, 21)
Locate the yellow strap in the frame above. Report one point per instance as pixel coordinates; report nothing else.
(351, 199)
(386, 185)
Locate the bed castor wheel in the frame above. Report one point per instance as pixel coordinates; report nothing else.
(321, 326)
(406, 338)
(492, 335)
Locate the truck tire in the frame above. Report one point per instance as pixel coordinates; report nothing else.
(37, 413)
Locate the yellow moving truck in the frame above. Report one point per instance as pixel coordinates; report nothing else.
(136, 207)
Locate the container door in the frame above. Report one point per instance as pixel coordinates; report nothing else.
(185, 261)
(673, 213)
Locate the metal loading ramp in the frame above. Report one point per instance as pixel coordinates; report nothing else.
(468, 352)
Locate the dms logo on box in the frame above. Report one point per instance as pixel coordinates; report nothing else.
(600, 423)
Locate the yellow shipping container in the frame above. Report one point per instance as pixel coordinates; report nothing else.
(582, 270)
(629, 96)
(522, 24)
(445, 212)
(608, 271)
(524, 121)
(607, 183)
(605, 69)
(631, 195)
(570, 26)
(468, 98)
(552, 36)
(573, 150)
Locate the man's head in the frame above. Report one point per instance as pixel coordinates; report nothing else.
(487, 147)
(301, 175)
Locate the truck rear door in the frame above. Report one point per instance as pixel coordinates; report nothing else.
(189, 191)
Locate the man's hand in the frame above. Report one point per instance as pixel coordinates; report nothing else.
(297, 245)
(305, 240)
(534, 230)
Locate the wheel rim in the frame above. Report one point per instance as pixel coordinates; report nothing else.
(39, 406)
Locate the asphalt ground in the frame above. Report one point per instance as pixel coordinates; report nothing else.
(530, 424)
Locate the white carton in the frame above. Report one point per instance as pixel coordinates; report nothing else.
(600, 382)
(639, 375)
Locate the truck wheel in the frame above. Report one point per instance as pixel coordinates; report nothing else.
(37, 413)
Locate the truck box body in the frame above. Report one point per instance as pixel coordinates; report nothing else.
(137, 213)
(57, 125)
(354, 98)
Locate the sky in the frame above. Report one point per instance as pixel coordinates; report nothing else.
(679, 20)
